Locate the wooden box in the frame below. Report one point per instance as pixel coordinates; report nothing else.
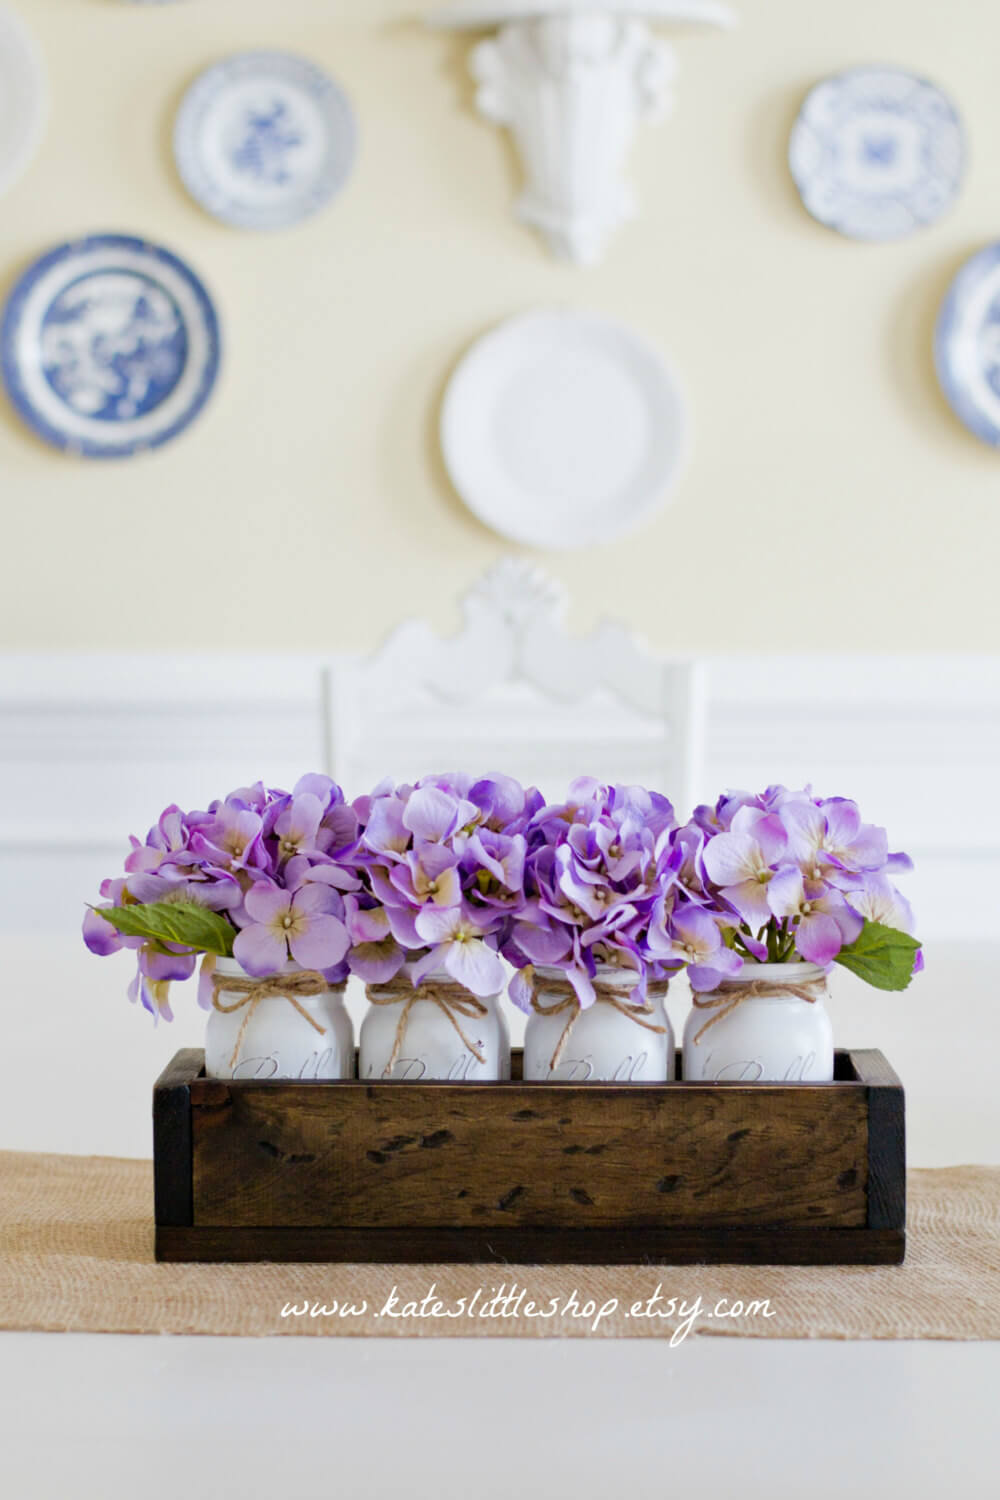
(792, 1173)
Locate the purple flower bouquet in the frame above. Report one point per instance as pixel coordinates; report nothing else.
(441, 868)
(261, 876)
(595, 870)
(442, 871)
(786, 877)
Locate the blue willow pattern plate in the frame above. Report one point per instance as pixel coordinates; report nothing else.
(264, 139)
(877, 153)
(109, 346)
(967, 345)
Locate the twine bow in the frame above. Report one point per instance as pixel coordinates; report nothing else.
(453, 1000)
(253, 991)
(605, 994)
(733, 996)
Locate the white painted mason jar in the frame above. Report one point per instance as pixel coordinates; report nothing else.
(277, 1036)
(776, 1037)
(603, 1044)
(430, 1035)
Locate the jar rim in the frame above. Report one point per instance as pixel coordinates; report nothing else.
(231, 968)
(797, 973)
(435, 976)
(605, 973)
(234, 967)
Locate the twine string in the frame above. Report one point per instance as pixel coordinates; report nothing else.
(452, 1000)
(604, 994)
(733, 996)
(253, 991)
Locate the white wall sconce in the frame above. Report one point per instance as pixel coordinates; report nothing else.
(572, 79)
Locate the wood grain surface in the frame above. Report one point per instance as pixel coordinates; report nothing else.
(461, 1156)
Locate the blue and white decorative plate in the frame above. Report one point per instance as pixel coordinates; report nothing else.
(264, 139)
(877, 153)
(967, 345)
(109, 346)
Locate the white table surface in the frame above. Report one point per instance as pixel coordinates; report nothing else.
(108, 1417)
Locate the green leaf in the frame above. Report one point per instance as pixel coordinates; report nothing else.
(183, 922)
(881, 956)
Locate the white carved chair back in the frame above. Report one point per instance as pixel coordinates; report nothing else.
(514, 692)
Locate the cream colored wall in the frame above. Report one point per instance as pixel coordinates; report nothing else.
(308, 507)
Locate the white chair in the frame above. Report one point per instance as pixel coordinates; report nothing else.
(513, 692)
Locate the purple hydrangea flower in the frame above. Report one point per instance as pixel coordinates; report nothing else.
(743, 861)
(693, 938)
(303, 925)
(456, 942)
(824, 922)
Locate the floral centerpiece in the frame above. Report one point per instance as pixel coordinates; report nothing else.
(441, 865)
(596, 867)
(423, 890)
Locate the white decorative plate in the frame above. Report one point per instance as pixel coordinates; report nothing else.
(877, 153)
(264, 139)
(23, 98)
(109, 346)
(562, 429)
(967, 345)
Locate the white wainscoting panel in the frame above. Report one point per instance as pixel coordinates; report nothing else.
(93, 747)
(915, 740)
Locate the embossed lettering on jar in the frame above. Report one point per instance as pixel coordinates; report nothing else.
(618, 1039)
(439, 1031)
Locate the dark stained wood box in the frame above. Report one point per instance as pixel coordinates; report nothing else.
(791, 1173)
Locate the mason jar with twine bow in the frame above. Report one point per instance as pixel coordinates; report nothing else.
(437, 1029)
(616, 1040)
(287, 1025)
(767, 1024)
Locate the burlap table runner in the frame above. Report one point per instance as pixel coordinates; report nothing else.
(76, 1254)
